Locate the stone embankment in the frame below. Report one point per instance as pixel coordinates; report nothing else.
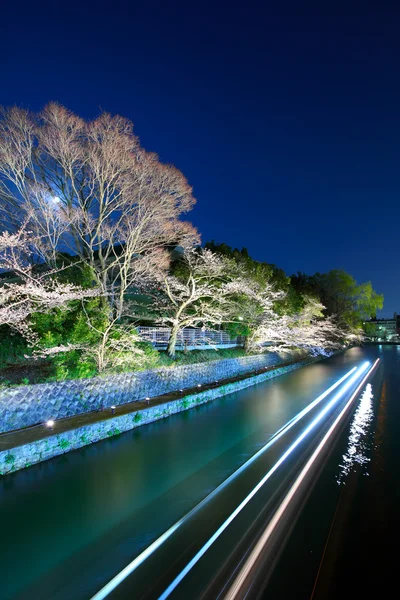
(141, 397)
(26, 405)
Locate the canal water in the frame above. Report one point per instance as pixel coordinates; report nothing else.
(70, 524)
(345, 544)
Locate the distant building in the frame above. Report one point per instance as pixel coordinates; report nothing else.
(383, 330)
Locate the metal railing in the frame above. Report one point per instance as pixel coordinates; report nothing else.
(188, 337)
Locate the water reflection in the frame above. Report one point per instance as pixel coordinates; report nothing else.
(357, 446)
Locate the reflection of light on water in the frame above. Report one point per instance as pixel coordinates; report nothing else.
(357, 445)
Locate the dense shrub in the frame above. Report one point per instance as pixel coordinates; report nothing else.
(13, 347)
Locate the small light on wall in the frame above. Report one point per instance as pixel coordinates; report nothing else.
(148, 400)
(50, 423)
(112, 409)
(199, 385)
(181, 391)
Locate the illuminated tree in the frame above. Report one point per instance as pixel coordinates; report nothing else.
(205, 290)
(88, 188)
(351, 303)
(307, 329)
(30, 289)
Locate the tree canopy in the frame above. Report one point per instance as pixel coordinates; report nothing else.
(340, 294)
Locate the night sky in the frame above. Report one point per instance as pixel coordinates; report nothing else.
(286, 124)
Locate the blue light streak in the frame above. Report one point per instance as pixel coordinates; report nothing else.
(266, 477)
(240, 581)
(136, 562)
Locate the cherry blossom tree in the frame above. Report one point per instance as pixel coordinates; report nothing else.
(29, 289)
(307, 329)
(206, 290)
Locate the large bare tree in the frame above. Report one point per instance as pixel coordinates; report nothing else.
(90, 189)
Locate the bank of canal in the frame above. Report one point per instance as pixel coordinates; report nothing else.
(25, 447)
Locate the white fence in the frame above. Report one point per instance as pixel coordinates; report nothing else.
(189, 337)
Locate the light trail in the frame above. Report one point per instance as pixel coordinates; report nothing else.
(260, 484)
(239, 582)
(136, 562)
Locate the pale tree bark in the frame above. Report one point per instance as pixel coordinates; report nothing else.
(171, 348)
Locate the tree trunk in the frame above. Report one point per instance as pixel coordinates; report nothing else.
(172, 341)
(247, 344)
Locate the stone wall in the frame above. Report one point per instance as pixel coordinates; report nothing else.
(54, 445)
(28, 405)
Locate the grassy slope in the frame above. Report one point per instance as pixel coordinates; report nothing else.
(41, 371)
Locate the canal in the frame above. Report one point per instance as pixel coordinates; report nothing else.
(72, 524)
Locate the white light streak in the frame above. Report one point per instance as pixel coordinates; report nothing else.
(240, 579)
(136, 562)
(260, 484)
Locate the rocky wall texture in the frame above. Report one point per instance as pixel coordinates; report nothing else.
(28, 405)
(35, 452)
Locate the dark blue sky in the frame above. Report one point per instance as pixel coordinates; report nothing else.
(287, 124)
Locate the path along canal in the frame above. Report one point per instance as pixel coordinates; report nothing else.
(71, 524)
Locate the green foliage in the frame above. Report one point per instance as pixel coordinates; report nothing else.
(137, 417)
(70, 325)
(113, 431)
(375, 331)
(292, 304)
(199, 356)
(71, 365)
(341, 295)
(64, 444)
(368, 301)
(237, 329)
(77, 272)
(64, 326)
(124, 353)
(260, 272)
(13, 347)
(75, 365)
(152, 356)
(9, 459)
